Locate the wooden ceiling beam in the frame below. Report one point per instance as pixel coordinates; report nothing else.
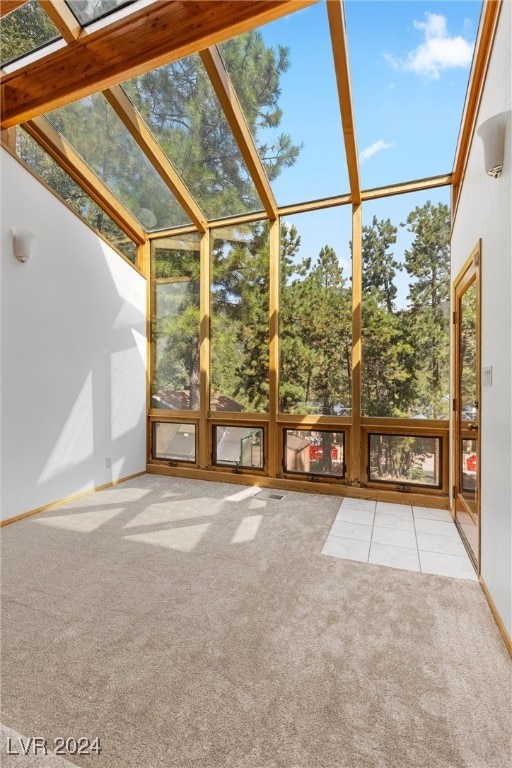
(56, 146)
(340, 52)
(226, 94)
(153, 36)
(134, 122)
(59, 13)
(8, 6)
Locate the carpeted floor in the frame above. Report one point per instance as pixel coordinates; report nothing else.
(197, 625)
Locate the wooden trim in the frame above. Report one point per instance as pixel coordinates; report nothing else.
(468, 274)
(135, 124)
(228, 99)
(335, 488)
(341, 65)
(63, 18)
(53, 504)
(203, 455)
(273, 455)
(172, 232)
(385, 424)
(409, 186)
(130, 46)
(234, 221)
(8, 6)
(56, 146)
(497, 618)
(483, 50)
(355, 469)
(72, 210)
(8, 139)
(290, 420)
(234, 417)
(315, 205)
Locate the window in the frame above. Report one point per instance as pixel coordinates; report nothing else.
(405, 460)
(238, 447)
(314, 452)
(174, 442)
(175, 323)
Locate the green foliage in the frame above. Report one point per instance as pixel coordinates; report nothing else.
(25, 30)
(406, 350)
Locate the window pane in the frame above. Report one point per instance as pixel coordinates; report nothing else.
(314, 452)
(175, 322)
(176, 442)
(469, 465)
(239, 321)
(284, 77)
(52, 174)
(94, 130)
(409, 70)
(91, 10)
(25, 30)
(239, 446)
(405, 460)
(182, 109)
(468, 350)
(315, 327)
(406, 306)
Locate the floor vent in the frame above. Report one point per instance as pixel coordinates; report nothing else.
(269, 496)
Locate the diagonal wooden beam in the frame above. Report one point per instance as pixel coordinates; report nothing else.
(68, 26)
(226, 94)
(153, 36)
(134, 122)
(56, 146)
(340, 52)
(8, 6)
(488, 25)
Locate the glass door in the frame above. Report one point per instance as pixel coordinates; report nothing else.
(467, 406)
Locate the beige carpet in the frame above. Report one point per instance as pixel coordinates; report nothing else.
(196, 625)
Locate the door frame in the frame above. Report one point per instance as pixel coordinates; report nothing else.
(470, 273)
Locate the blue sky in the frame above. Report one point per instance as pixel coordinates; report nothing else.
(409, 62)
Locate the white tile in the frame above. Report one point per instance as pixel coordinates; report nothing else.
(439, 527)
(349, 549)
(394, 537)
(445, 545)
(383, 520)
(432, 514)
(447, 565)
(396, 557)
(404, 510)
(364, 504)
(351, 530)
(361, 516)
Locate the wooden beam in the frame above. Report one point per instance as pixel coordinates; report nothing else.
(355, 468)
(203, 457)
(149, 38)
(8, 6)
(134, 122)
(408, 186)
(341, 66)
(56, 146)
(490, 15)
(63, 18)
(226, 94)
(274, 456)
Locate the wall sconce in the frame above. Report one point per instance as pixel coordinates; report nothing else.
(23, 240)
(492, 133)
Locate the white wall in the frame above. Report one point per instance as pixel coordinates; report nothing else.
(485, 212)
(73, 353)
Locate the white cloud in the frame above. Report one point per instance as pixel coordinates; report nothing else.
(372, 150)
(437, 52)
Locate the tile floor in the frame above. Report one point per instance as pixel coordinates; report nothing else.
(400, 536)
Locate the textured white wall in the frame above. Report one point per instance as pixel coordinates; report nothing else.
(73, 351)
(485, 212)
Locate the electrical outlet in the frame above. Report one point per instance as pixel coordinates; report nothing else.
(108, 462)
